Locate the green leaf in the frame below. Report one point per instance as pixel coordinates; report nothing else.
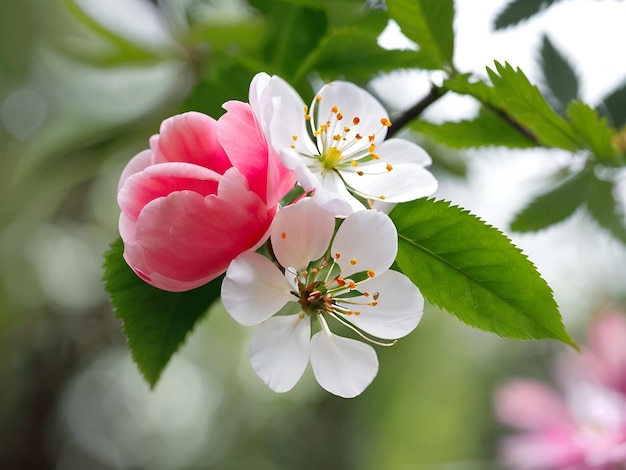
(429, 24)
(519, 102)
(472, 270)
(120, 51)
(293, 32)
(607, 211)
(354, 54)
(559, 75)
(555, 205)
(524, 103)
(156, 322)
(518, 10)
(487, 129)
(593, 131)
(613, 107)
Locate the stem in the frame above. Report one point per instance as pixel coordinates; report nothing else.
(418, 108)
(437, 92)
(514, 124)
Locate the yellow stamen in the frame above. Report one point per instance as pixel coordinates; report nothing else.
(389, 167)
(354, 163)
(352, 261)
(371, 273)
(385, 122)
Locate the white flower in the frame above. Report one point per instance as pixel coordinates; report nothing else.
(336, 146)
(350, 284)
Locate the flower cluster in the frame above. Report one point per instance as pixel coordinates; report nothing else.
(585, 427)
(208, 194)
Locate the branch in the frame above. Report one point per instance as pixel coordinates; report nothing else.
(418, 108)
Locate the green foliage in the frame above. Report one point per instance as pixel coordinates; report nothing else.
(487, 129)
(473, 271)
(519, 10)
(555, 205)
(613, 107)
(354, 54)
(559, 75)
(119, 50)
(429, 24)
(517, 100)
(294, 31)
(156, 322)
(607, 211)
(593, 132)
(581, 190)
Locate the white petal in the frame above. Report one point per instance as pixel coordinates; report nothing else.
(370, 239)
(398, 310)
(403, 151)
(333, 196)
(405, 179)
(279, 351)
(353, 101)
(301, 233)
(342, 366)
(254, 289)
(406, 182)
(280, 110)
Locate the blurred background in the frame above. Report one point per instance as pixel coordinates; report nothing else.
(83, 85)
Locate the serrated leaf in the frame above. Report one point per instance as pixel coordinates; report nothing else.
(524, 103)
(613, 107)
(555, 205)
(354, 54)
(519, 10)
(487, 129)
(607, 211)
(593, 131)
(559, 76)
(473, 271)
(429, 24)
(519, 102)
(156, 322)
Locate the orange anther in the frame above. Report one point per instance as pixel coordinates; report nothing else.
(355, 120)
(385, 122)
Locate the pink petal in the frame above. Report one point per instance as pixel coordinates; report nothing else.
(138, 163)
(160, 180)
(190, 137)
(543, 451)
(192, 239)
(526, 404)
(607, 350)
(250, 153)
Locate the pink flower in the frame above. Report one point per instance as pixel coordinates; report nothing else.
(585, 427)
(605, 360)
(203, 193)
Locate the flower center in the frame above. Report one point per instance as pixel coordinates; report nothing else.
(330, 158)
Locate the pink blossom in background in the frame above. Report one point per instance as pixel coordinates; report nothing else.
(582, 428)
(203, 193)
